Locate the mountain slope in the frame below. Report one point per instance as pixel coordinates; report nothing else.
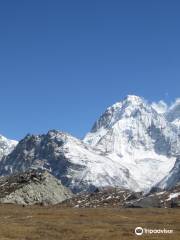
(105, 197)
(78, 165)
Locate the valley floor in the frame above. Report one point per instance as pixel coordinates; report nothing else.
(51, 223)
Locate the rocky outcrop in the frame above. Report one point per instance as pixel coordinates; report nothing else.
(32, 187)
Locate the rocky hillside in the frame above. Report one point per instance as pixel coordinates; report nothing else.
(160, 199)
(32, 187)
(123, 198)
(103, 197)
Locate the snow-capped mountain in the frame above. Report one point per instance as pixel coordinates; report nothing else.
(132, 124)
(134, 134)
(132, 145)
(77, 164)
(6, 146)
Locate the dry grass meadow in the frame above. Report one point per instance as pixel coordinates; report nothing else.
(51, 223)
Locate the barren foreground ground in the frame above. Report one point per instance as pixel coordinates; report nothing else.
(49, 223)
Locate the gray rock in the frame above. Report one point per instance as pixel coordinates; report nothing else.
(32, 187)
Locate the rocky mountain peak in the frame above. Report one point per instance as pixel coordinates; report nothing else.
(131, 122)
(133, 99)
(117, 111)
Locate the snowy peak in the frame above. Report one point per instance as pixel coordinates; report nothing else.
(114, 112)
(131, 107)
(133, 123)
(133, 99)
(134, 134)
(6, 146)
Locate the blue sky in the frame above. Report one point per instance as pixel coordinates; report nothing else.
(63, 62)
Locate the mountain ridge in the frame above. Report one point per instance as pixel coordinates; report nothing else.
(131, 145)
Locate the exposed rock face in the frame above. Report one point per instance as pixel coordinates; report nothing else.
(32, 187)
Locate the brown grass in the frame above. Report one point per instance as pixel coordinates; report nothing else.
(51, 223)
